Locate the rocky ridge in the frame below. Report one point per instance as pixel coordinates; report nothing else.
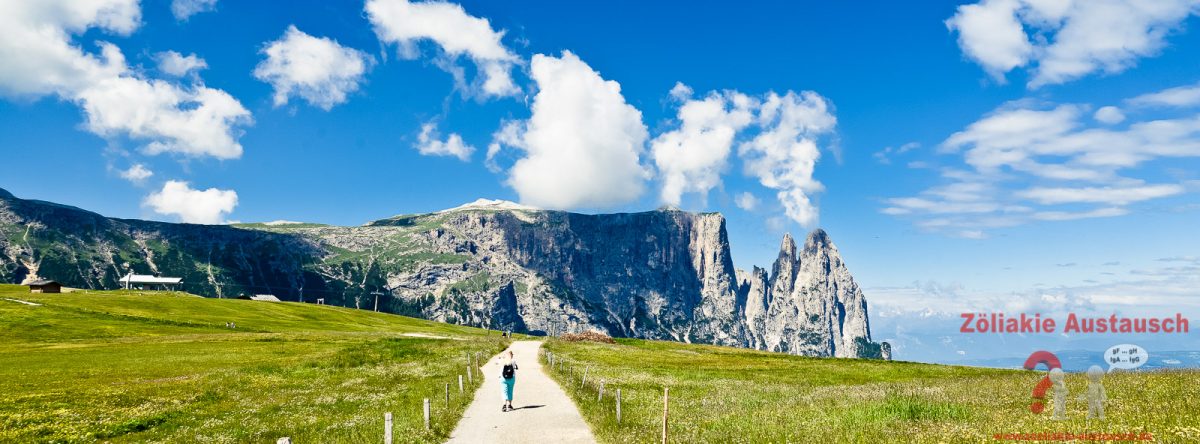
(664, 274)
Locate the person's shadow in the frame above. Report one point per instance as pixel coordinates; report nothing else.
(528, 407)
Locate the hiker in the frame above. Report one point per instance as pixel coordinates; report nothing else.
(508, 378)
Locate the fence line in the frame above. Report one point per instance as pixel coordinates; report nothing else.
(388, 421)
(566, 368)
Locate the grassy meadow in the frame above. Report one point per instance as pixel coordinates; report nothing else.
(729, 395)
(163, 367)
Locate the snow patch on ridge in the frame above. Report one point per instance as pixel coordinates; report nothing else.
(491, 204)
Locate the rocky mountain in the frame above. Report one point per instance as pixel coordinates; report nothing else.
(663, 274)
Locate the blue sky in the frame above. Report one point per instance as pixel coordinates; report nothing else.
(962, 155)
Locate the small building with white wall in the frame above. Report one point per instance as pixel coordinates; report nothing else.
(150, 282)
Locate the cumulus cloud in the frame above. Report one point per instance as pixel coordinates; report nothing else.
(746, 201)
(1029, 162)
(784, 154)
(1182, 97)
(177, 198)
(990, 34)
(137, 173)
(38, 58)
(179, 65)
(428, 144)
(457, 33)
(183, 9)
(1109, 114)
(778, 137)
(317, 69)
(692, 157)
(196, 122)
(583, 142)
(1065, 39)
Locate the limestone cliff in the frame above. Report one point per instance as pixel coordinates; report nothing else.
(663, 274)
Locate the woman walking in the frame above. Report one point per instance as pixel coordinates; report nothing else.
(508, 378)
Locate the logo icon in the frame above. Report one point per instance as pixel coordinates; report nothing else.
(1039, 391)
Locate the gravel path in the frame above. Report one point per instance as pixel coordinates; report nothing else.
(544, 413)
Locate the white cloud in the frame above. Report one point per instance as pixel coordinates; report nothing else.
(429, 145)
(681, 92)
(1182, 96)
(746, 201)
(317, 69)
(177, 198)
(178, 65)
(183, 9)
(784, 154)
(508, 134)
(1068, 215)
(195, 123)
(1029, 162)
(1066, 39)
(37, 58)
(990, 33)
(1109, 114)
(885, 155)
(692, 157)
(1106, 195)
(136, 173)
(36, 54)
(582, 143)
(405, 23)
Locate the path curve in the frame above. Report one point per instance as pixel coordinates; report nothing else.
(544, 413)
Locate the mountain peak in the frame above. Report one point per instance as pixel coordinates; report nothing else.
(491, 204)
(818, 236)
(788, 244)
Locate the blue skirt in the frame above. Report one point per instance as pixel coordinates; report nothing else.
(507, 386)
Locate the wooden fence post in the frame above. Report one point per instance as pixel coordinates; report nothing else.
(666, 396)
(387, 428)
(447, 396)
(583, 382)
(618, 406)
(460, 386)
(426, 413)
(600, 397)
(469, 379)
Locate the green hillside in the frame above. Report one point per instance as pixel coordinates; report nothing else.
(134, 367)
(730, 395)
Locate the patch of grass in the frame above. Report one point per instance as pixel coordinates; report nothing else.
(163, 367)
(722, 394)
(477, 283)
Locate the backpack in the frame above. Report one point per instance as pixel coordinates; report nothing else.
(508, 372)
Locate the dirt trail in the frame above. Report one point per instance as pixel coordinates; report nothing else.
(544, 413)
